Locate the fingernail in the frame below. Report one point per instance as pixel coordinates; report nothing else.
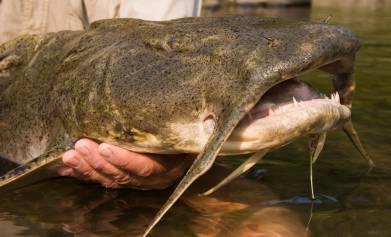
(83, 150)
(64, 172)
(106, 152)
(71, 161)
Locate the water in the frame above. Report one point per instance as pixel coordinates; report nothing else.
(273, 199)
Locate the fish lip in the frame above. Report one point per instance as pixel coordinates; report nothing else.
(286, 125)
(329, 110)
(323, 106)
(314, 113)
(303, 104)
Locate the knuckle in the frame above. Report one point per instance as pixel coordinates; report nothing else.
(122, 179)
(87, 173)
(146, 171)
(119, 163)
(98, 165)
(123, 164)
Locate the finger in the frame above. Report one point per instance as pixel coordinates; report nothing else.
(87, 150)
(70, 172)
(65, 171)
(81, 169)
(102, 180)
(71, 159)
(94, 158)
(135, 163)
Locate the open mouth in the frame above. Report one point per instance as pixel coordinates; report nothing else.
(288, 110)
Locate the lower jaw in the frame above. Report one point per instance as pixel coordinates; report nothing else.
(282, 127)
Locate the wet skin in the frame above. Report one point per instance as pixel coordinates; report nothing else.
(115, 167)
(172, 87)
(120, 168)
(148, 77)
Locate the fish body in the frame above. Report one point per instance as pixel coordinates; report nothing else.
(181, 86)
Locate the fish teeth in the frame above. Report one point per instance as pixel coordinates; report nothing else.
(294, 101)
(334, 97)
(337, 99)
(270, 111)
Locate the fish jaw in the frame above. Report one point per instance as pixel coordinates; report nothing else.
(287, 123)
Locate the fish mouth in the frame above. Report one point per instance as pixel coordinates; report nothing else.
(290, 109)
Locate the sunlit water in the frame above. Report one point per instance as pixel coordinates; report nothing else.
(273, 199)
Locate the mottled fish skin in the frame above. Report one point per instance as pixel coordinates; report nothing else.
(128, 80)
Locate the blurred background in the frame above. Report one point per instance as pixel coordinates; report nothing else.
(288, 8)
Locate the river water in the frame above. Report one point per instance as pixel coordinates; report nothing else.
(272, 199)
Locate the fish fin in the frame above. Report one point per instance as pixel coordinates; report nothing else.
(250, 162)
(353, 136)
(344, 84)
(201, 164)
(315, 146)
(40, 168)
(6, 165)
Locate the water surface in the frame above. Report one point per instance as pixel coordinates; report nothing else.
(273, 199)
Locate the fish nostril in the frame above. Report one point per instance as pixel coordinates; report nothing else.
(209, 123)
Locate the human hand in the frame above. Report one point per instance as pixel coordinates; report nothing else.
(114, 167)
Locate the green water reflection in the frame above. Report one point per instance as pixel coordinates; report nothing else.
(272, 199)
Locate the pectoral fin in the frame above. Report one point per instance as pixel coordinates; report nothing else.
(40, 168)
(250, 162)
(202, 163)
(315, 145)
